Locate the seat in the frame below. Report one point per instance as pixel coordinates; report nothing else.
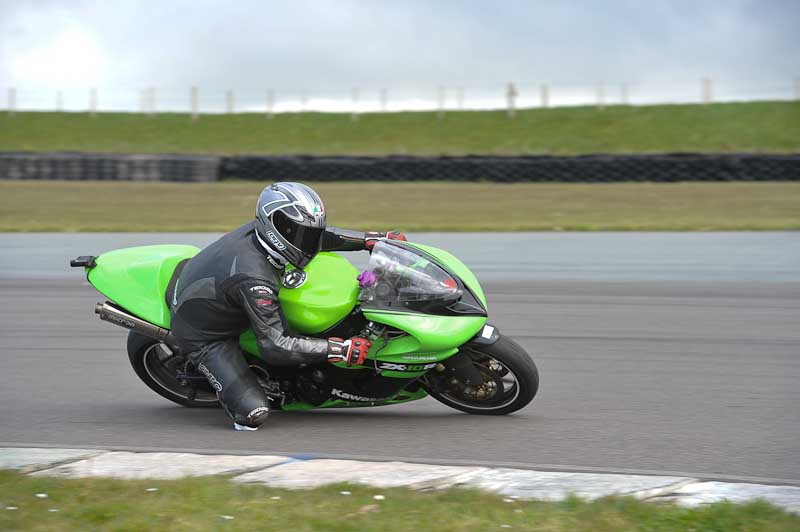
(137, 278)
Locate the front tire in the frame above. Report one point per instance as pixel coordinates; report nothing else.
(157, 366)
(511, 380)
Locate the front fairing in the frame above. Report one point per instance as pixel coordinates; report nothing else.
(410, 278)
(415, 289)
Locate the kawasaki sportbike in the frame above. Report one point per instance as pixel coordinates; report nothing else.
(423, 309)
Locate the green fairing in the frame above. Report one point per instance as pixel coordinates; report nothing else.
(136, 278)
(428, 333)
(403, 397)
(249, 343)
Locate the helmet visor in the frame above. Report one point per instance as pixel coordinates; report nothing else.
(306, 239)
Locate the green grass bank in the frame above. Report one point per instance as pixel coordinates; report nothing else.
(153, 206)
(214, 503)
(724, 127)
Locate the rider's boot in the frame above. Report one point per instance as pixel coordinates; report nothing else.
(237, 387)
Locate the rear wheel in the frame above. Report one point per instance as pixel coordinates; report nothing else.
(510, 380)
(159, 367)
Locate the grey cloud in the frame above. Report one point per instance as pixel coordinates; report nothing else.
(333, 45)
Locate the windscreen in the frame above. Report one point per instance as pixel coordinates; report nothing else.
(399, 278)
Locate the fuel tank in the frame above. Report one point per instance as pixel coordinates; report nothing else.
(328, 293)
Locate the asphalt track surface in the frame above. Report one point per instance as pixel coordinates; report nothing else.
(692, 368)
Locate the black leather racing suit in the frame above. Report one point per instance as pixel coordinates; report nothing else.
(228, 287)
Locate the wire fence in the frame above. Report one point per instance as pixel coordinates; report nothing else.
(371, 99)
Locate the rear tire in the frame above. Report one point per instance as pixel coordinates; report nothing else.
(156, 366)
(515, 362)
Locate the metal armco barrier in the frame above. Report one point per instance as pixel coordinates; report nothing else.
(109, 166)
(578, 169)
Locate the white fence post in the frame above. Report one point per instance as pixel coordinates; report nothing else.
(623, 94)
(229, 103)
(384, 96)
(12, 101)
(303, 100)
(354, 112)
(797, 89)
(544, 95)
(151, 101)
(194, 97)
(440, 102)
(708, 94)
(270, 102)
(460, 98)
(92, 102)
(600, 90)
(511, 97)
(59, 101)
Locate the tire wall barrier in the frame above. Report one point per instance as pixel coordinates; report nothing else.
(109, 167)
(577, 169)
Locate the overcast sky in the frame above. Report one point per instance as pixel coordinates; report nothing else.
(324, 48)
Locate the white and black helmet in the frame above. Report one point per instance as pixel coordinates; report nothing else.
(290, 222)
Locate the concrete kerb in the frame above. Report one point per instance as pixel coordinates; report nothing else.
(166, 466)
(699, 493)
(556, 485)
(29, 460)
(294, 473)
(299, 474)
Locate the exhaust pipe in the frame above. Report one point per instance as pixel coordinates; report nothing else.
(112, 314)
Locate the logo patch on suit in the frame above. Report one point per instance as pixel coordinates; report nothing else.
(261, 289)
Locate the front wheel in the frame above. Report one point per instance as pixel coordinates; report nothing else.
(510, 380)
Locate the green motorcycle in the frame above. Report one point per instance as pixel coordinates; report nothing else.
(423, 309)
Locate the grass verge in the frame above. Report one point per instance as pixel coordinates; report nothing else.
(214, 503)
(724, 127)
(181, 207)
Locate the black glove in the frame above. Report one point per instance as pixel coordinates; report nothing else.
(352, 351)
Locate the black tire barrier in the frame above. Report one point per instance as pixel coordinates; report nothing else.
(576, 169)
(108, 166)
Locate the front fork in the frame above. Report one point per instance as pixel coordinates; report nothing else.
(461, 366)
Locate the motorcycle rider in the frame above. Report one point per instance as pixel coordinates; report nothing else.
(233, 284)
